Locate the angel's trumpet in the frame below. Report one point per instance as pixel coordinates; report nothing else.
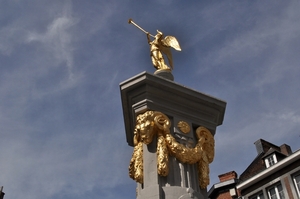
(130, 21)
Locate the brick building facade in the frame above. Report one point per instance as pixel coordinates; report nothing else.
(274, 174)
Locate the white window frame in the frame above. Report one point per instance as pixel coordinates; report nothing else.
(259, 195)
(279, 192)
(296, 180)
(270, 160)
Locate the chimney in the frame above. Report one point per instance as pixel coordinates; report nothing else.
(228, 176)
(259, 146)
(286, 149)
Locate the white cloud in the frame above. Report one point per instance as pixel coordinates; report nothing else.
(58, 40)
(286, 117)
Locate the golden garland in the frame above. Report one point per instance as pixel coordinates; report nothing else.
(156, 123)
(136, 163)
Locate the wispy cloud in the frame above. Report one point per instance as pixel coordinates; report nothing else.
(286, 116)
(57, 39)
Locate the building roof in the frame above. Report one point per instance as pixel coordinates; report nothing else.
(256, 166)
(271, 151)
(264, 148)
(271, 170)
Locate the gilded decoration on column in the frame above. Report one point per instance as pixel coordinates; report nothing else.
(153, 123)
(208, 153)
(184, 126)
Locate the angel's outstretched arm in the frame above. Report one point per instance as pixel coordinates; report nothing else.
(148, 37)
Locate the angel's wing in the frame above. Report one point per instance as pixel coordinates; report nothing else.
(167, 51)
(171, 41)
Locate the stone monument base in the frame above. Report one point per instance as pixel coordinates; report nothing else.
(165, 73)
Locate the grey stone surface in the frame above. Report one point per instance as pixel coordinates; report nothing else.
(152, 92)
(164, 74)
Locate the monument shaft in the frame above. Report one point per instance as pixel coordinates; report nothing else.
(171, 128)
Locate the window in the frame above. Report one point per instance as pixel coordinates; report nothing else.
(296, 180)
(270, 160)
(276, 192)
(257, 196)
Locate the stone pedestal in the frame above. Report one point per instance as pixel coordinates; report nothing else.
(145, 92)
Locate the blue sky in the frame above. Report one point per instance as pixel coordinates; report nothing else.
(62, 133)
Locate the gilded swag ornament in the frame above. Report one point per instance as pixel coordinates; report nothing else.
(155, 124)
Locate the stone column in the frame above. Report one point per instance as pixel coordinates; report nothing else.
(183, 107)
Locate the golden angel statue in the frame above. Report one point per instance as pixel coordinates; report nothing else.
(160, 46)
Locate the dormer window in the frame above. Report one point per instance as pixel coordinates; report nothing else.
(270, 160)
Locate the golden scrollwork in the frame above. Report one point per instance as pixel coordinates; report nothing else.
(153, 123)
(184, 126)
